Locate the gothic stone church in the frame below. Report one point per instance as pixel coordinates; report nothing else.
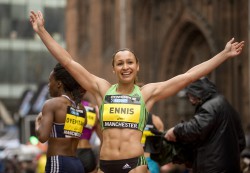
(168, 37)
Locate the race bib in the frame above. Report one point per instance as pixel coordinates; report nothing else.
(121, 111)
(91, 117)
(74, 122)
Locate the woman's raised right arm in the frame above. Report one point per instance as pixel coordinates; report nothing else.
(90, 82)
(55, 49)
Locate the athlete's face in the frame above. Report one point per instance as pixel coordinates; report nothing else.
(53, 85)
(125, 66)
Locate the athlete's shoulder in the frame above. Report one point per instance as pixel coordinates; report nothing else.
(55, 102)
(147, 90)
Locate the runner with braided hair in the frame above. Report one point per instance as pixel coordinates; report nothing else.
(61, 122)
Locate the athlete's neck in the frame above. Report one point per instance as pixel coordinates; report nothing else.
(68, 95)
(125, 88)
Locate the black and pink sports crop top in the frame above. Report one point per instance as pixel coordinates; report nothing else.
(91, 121)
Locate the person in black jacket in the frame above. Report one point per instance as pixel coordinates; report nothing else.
(215, 130)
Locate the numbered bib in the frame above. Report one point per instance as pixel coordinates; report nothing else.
(121, 111)
(74, 122)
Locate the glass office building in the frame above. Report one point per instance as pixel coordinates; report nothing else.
(24, 60)
(25, 63)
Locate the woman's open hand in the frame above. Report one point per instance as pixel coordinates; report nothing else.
(233, 48)
(37, 20)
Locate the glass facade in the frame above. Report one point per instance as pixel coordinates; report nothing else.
(24, 60)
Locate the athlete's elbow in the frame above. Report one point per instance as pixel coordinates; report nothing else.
(189, 78)
(41, 138)
(67, 62)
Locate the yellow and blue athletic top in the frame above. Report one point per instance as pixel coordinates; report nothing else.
(123, 111)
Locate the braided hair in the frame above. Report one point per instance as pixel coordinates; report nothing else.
(69, 83)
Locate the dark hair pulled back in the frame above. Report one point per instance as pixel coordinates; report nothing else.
(69, 83)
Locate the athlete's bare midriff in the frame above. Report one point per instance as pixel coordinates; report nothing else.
(62, 146)
(121, 144)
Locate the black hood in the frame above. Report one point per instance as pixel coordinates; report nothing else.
(202, 89)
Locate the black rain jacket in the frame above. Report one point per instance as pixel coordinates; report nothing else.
(215, 131)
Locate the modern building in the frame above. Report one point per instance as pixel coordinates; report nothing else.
(25, 63)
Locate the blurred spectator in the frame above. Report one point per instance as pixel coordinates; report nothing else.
(215, 130)
(154, 123)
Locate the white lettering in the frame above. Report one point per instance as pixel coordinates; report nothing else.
(121, 124)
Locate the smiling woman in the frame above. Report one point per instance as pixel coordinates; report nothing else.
(121, 149)
(125, 64)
